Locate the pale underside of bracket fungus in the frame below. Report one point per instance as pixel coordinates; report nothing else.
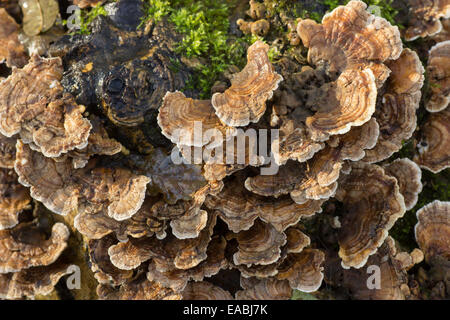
(11, 50)
(438, 70)
(433, 149)
(425, 15)
(24, 247)
(372, 204)
(63, 189)
(408, 175)
(396, 108)
(32, 104)
(433, 231)
(14, 198)
(352, 43)
(393, 281)
(190, 122)
(245, 100)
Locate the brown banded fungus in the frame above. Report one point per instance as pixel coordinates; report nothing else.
(33, 106)
(438, 69)
(392, 283)
(433, 148)
(14, 198)
(63, 189)
(7, 152)
(177, 279)
(239, 208)
(264, 289)
(372, 204)
(204, 291)
(190, 122)
(408, 175)
(32, 282)
(245, 100)
(303, 270)
(11, 50)
(433, 231)
(424, 18)
(25, 246)
(396, 106)
(353, 44)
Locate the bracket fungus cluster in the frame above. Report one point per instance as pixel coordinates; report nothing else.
(287, 178)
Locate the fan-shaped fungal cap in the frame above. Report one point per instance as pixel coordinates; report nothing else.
(245, 100)
(353, 105)
(372, 203)
(433, 149)
(169, 252)
(294, 143)
(32, 105)
(104, 271)
(287, 177)
(14, 198)
(190, 122)
(32, 282)
(189, 226)
(24, 247)
(259, 245)
(352, 42)
(396, 110)
(175, 182)
(350, 35)
(408, 175)
(97, 225)
(424, 17)
(393, 278)
(204, 291)
(303, 270)
(438, 69)
(264, 289)
(99, 143)
(177, 279)
(433, 230)
(62, 189)
(11, 50)
(239, 208)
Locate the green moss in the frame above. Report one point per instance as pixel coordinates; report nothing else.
(87, 16)
(205, 29)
